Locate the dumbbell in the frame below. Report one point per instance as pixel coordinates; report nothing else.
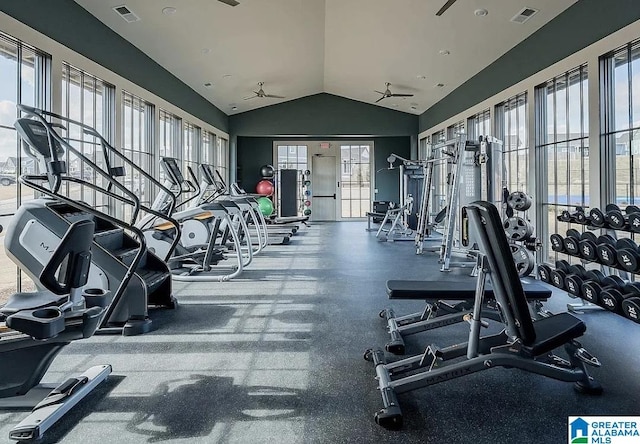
(545, 273)
(557, 243)
(578, 216)
(573, 283)
(571, 242)
(596, 218)
(591, 290)
(612, 298)
(616, 218)
(634, 222)
(587, 246)
(631, 308)
(606, 250)
(627, 254)
(564, 269)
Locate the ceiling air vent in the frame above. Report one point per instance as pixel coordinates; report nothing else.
(524, 15)
(126, 14)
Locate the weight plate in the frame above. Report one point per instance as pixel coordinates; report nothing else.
(557, 243)
(634, 222)
(611, 207)
(631, 209)
(628, 259)
(573, 285)
(572, 232)
(519, 201)
(571, 246)
(545, 273)
(562, 265)
(577, 269)
(581, 217)
(606, 254)
(557, 278)
(597, 217)
(606, 239)
(626, 243)
(591, 291)
(588, 250)
(565, 216)
(524, 259)
(615, 219)
(595, 276)
(590, 236)
(631, 309)
(517, 228)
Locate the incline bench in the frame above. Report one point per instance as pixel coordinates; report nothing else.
(438, 312)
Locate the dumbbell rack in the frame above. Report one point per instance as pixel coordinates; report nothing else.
(617, 255)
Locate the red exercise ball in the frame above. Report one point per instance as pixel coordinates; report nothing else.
(265, 188)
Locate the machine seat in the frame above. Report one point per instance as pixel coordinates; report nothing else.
(453, 290)
(555, 331)
(31, 301)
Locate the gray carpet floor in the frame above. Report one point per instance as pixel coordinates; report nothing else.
(276, 356)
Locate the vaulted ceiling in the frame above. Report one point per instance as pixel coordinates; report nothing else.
(348, 48)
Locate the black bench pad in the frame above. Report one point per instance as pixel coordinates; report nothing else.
(453, 290)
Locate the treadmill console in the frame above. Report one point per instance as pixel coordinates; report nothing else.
(207, 173)
(171, 167)
(36, 136)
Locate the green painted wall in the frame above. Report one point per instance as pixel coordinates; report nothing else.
(323, 115)
(71, 25)
(253, 152)
(581, 25)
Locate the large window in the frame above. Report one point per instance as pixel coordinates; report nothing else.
(562, 148)
(170, 139)
(190, 149)
(24, 78)
(621, 124)
(511, 124)
(440, 174)
(355, 162)
(222, 158)
(90, 101)
(137, 143)
(479, 125)
(292, 157)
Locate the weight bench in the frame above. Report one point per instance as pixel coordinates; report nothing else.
(439, 311)
(522, 344)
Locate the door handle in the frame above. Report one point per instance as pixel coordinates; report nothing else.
(330, 195)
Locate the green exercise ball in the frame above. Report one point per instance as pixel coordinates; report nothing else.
(266, 206)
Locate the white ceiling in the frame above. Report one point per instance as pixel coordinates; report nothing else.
(345, 47)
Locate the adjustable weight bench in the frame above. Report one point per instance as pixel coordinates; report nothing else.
(439, 311)
(522, 344)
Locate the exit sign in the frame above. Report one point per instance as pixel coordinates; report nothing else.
(325, 145)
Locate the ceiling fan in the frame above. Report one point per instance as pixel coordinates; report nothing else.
(229, 2)
(260, 93)
(388, 93)
(444, 7)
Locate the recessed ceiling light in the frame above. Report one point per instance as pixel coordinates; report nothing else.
(205, 50)
(169, 10)
(421, 77)
(234, 108)
(481, 12)
(226, 76)
(208, 84)
(444, 52)
(414, 108)
(439, 85)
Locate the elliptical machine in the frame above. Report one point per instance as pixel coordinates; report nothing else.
(36, 328)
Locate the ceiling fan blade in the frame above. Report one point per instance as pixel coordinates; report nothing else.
(272, 96)
(229, 2)
(252, 97)
(383, 97)
(380, 92)
(401, 95)
(445, 7)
